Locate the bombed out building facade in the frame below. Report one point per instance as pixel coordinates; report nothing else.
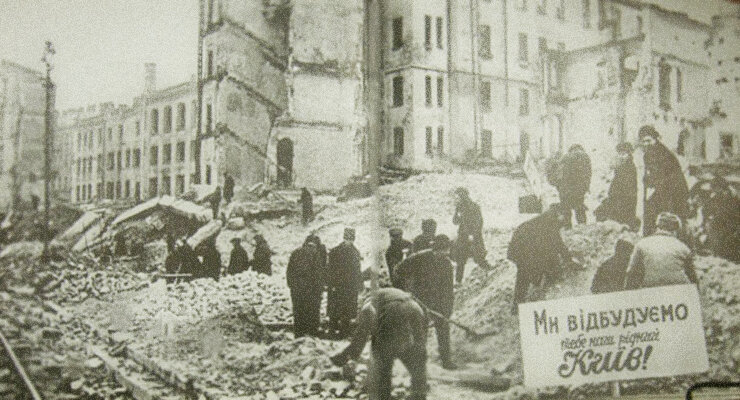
(316, 93)
(22, 106)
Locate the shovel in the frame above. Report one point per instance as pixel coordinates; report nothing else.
(469, 332)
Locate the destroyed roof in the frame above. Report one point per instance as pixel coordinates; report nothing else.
(639, 4)
(168, 203)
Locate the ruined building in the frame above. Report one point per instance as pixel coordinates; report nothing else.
(133, 152)
(500, 79)
(311, 93)
(723, 136)
(282, 92)
(22, 107)
(316, 93)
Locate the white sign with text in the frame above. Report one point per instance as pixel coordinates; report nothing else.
(632, 334)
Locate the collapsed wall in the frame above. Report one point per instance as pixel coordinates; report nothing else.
(323, 125)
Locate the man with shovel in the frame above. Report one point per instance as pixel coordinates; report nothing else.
(428, 275)
(397, 327)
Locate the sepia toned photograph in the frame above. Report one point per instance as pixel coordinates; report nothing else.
(369, 199)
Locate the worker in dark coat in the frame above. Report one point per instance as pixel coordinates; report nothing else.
(536, 248)
(575, 182)
(239, 260)
(228, 187)
(321, 254)
(665, 185)
(215, 201)
(722, 220)
(305, 283)
(469, 241)
(424, 241)
(610, 275)
(262, 256)
(621, 200)
(173, 261)
(211, 260)
(307, 206)
(397, 327)
(189, 263)
(344, 279)
(428, 275)
(397, 250)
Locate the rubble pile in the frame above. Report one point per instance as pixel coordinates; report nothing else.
(52, 350)
(77, 285)
(68, 278)
(217, 333)
(485, 303)
(28, 225)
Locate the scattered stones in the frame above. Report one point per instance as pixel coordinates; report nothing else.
(94, 363)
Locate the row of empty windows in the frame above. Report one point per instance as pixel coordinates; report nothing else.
(109, 190)
(85, 139)
(399, 141)
(484, 96)
(484, 31)
(155, 189)
(116, 160)
(427, 32)
(167, 153)
(167, 119)
(398, 91)
(125, 190)
(542, 8)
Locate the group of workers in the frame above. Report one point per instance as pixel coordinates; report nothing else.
(183, 263)
(423, 272)
(396, 319)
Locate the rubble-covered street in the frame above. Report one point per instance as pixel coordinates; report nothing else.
(232, 339)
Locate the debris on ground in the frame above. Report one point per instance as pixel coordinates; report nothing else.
(225, 334)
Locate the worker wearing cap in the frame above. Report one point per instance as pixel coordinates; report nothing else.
(469, 243)
(305, 281)
(397, 327)
(665, 184)
(344, 279)
(428, 275)
(661, 259)
(239, 260)
(397, 250)
(424, 241)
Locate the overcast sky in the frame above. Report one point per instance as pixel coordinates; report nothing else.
(102, 45)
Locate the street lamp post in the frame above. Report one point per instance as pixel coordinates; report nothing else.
(48, 132)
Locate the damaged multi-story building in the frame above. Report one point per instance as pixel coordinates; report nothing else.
(282, 92)
(723, 49)
(501, 79)
(22, 111)
(133, 152)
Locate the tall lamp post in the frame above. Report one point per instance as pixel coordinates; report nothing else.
(48, 132)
